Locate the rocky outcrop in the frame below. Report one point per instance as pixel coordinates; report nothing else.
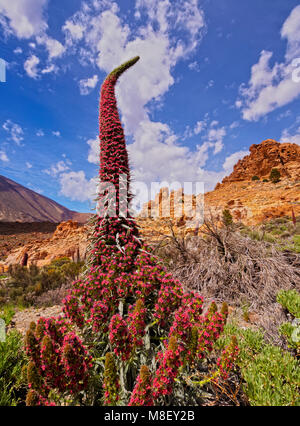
(266, 156)
(69, 240)
(250, 202)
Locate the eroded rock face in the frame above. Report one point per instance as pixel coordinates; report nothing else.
(255, 202)
(69, 240)
(266, 156)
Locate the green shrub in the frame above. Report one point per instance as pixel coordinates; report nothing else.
(290, 300)
(12, 362)
(7, 314)
(271, 375)
(291, 332)
(297, 243)
(275, 176)
(227, 217)
(273, 378)
(255, 178)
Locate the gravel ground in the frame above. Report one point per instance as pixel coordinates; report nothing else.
(22, 319)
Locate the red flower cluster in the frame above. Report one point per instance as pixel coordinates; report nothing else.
(76, 363)
(228, 357)
(142, 394)
(169, 299)
(120, 337)
(169, 363)
(136, 322)
(210, 328)
(58, 358)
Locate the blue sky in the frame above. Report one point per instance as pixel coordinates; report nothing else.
(214, 78)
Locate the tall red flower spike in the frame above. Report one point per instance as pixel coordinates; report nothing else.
(114, 219)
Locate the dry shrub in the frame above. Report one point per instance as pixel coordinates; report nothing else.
(224, 265)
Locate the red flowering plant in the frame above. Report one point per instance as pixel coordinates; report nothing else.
(131, 333)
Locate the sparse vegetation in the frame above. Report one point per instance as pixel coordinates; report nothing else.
(255, 178)
(280, 231)
(223, 264)
(38, 286)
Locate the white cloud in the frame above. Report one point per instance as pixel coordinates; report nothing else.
(73, 31)
(291, 137)
(18, 51)
(28, 165)
(58, 168)
(54, 47)
(3, 156)
(232, 159)
(87, 85)
(30, 66)
(272, 87)
(16, 132)
(94, 152)
(194, 66)
(24, 18)
(291, 31)
(49, 69)
(210, 84)
(76, 186)
(200, 126)
(40, 133)
(56, 133)
(215, 137)
(234, 125)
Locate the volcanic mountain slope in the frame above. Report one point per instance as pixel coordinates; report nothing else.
(20, 204)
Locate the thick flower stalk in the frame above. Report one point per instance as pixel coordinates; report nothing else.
(142, 394)
(115, 195)
(111, 382)
(229, 355)
(169, 364)
(120, 338)
(76, 363)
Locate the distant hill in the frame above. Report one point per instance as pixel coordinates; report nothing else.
(20, 204)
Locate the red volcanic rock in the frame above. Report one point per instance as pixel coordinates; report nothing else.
(263, 158)
(69, 240)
